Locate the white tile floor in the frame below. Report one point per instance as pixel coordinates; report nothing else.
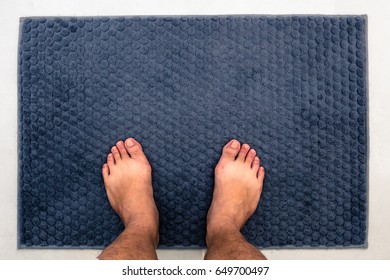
(379, 99)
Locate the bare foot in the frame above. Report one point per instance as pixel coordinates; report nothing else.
(128, 179)
(238, 185)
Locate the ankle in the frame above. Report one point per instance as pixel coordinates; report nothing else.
(146, 226)
(222, 229)
(142, 219)
(150, 235)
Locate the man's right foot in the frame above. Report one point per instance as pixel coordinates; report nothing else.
(238, 185)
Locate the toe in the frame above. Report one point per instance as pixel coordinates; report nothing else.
(230, 150)
(260, 174)
(256, 164)
(105, 171)
(115, 153)
(250, 157)
(134, 148)
(243, 152)
(122, 150)
(110, 160)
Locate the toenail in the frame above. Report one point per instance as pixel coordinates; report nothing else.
(119, 143)
(129, 143)
(234, 144)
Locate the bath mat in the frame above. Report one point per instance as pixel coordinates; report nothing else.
(293, 87)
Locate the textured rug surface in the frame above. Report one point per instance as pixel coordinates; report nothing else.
(294, 88)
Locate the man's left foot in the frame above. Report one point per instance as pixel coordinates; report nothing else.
(128, 180)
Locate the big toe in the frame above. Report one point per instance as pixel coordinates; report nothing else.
(230, 150)
(134, 148)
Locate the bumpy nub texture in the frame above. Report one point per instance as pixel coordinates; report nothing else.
(294, 88)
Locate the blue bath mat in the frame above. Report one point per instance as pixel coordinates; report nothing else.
(293, 87)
